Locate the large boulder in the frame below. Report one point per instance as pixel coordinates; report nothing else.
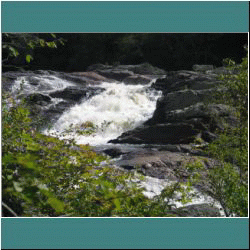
(137, 79)
(183, 112)
(183, 79)
(197, 210)
(198, 112)
(91, 76)
(202, 68)
(37, 98)
(118, 75)
(120, 72)
(182, 99)
(175, 133)
(75, 94)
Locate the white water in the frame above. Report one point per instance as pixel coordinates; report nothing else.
(153, 187)
(117, 109)
(43, 84)
(40, 84)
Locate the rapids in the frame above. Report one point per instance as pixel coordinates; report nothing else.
(117, 109)
(98, 117)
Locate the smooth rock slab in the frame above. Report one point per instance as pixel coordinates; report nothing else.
(159, 134)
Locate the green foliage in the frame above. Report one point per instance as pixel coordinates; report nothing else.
(45, 176)
(230, 189)
(229, 177)
(23, 45)
(236, 83)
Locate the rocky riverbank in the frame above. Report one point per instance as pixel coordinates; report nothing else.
(181, 126)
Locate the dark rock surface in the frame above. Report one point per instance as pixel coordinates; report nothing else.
(76, 93)
(37, 98)
(159, 134)
(137, 79)
(142, 69)
(130, 74)
(168, 137)
(183, 112)
(197, 210)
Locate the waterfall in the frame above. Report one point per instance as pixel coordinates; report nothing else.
(117, 109)
(98, 116)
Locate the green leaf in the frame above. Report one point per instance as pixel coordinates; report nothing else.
(31, 45)
(117, 204)
(28, 58)
(51, 44)
(56, 204)
(14, 52)
(42, 42)
(17, 186)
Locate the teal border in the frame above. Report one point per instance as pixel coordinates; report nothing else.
(122, 16)
(104, 233)
(124, 233)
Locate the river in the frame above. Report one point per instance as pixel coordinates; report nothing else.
(103, 112)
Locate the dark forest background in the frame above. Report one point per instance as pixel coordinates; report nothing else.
(169, 51)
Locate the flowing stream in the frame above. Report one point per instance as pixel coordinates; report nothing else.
(117, 109)
(99, 117)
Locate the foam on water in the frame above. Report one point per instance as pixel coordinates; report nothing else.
(153, 186)
(117, 109)
(39, 84)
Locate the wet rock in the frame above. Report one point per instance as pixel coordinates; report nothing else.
(69, 93)
(75, 93)
(37, 98)
(113, 152)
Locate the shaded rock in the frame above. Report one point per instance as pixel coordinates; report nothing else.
(37, 98)
(141, 69)
(181, 99)
(137, 79)
(74, 78)
(75, 94)
(198, 112)
(158, 169)
(69, 93)
(147, 69)
(180, 80)
(159, 134)
(99, 66)
(113, 152)
(91, 76)
(202, 68)
(118, 75)
(208, 136)
(197, 210)
(166, 165)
